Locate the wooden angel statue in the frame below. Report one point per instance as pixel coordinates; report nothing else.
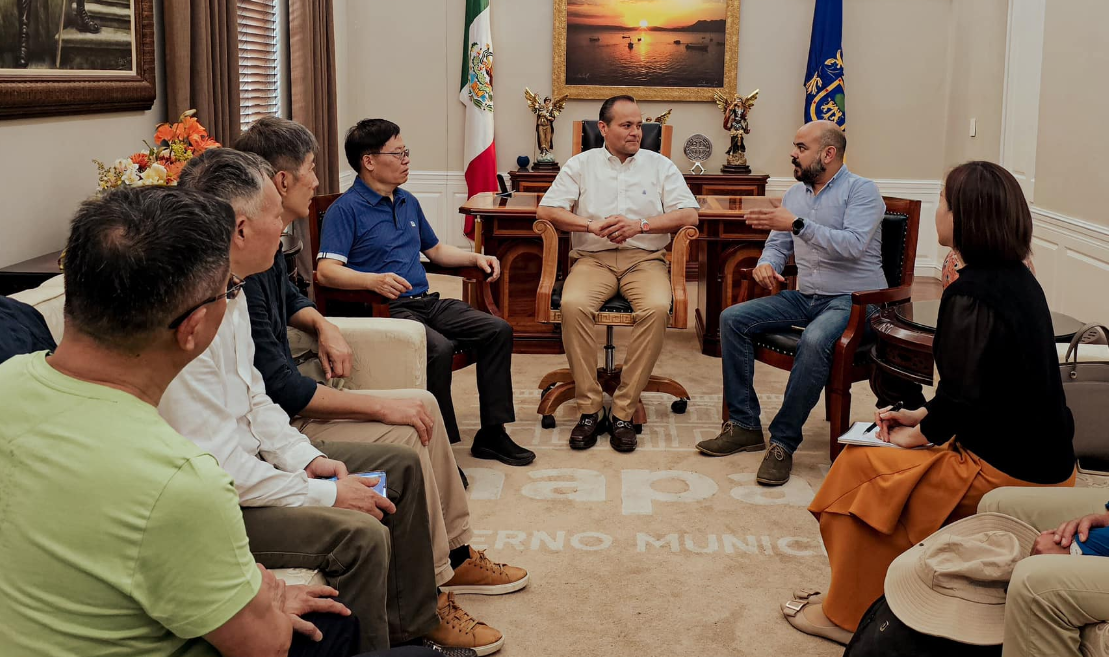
(735, 121)
(546, 111)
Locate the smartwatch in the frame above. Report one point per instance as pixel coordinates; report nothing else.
(644, 227)
(798, 225)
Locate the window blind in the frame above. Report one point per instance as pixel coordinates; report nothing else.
(258, 60)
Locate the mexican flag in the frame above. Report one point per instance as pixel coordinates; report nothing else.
(477, 96)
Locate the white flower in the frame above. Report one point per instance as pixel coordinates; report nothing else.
(155, 175)
(123, 164)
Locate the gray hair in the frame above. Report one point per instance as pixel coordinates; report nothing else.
(283, 143)
(138, 257)
(234, 176)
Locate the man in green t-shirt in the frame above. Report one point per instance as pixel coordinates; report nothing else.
(117, 535)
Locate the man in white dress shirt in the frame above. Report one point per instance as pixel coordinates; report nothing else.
(621, 204)
(294, 516)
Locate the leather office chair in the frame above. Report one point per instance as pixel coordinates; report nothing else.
(656, 137)
(558, 385)
(353, 301)
(851, 357)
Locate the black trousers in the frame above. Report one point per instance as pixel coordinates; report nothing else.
(340, 639)
(451, 322)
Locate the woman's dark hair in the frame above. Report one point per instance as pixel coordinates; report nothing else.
(367, 137)
(991, 220)
(137, 257)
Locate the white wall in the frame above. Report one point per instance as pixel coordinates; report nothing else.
(46, 166)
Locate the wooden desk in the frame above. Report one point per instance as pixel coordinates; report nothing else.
(706, 184)
(505, 228)
(29, 273)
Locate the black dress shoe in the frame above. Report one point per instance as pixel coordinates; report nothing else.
(495, 444)
(622, 435)
(591, 425)
(85, 23)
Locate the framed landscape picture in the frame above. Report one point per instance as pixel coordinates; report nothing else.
(75, 56)
(650, 49)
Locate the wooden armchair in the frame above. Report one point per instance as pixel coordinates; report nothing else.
(558, 385)
(851, 359)
(376, 303)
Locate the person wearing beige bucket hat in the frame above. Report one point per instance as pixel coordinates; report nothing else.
(953, 583)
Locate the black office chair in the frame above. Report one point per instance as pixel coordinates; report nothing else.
(656, 137)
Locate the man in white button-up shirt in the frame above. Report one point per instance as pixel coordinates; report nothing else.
(375, 550)
(620, 203)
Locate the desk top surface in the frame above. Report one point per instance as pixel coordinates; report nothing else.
(525, 204)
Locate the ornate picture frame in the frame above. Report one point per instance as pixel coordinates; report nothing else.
(568, 35)
(33, 90)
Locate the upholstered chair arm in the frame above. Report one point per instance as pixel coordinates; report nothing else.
(679, 254)
(549, 275)
(388, 353)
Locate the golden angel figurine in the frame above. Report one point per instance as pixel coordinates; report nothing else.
(546, 111)
(661, 119)
(735, 121)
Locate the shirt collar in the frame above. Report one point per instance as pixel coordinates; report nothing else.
(842, 171)
(615, 160)
(368, 193)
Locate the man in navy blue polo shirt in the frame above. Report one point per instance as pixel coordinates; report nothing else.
(372, 239)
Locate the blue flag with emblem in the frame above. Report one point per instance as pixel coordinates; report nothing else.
(824, 90)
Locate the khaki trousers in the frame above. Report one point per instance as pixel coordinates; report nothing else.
(643, 278)
(1052, 597)
(448, 507)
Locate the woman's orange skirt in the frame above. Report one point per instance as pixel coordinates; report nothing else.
(876, 503)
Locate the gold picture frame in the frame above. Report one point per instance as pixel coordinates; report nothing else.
(560, 85)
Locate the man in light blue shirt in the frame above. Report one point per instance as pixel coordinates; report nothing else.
(829, 223)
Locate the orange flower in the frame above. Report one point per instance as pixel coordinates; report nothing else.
(202, 142)
(141, 159)
(173, 170)
(188, 127)
(164, 133)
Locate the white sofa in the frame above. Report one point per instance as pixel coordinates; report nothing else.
(395, 347)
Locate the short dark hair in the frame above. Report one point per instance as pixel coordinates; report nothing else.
(834, 137)
(991, 220)
(137, 257)
(605, 114)
(368, 136)
(283, 143)
(235, 176)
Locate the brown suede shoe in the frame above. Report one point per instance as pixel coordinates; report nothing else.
(480, 575)
(732, 439)
(775, 467)
(458, 629)
(591, 425)
(622, 435)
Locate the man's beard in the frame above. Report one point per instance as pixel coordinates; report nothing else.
(810, 174)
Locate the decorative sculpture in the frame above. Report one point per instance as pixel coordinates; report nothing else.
(546, 111)
(661, 119)
(698, 148)
(735, 121)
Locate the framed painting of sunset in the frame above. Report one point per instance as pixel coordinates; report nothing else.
(650, 49)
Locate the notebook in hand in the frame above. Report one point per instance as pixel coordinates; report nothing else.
(857, 435)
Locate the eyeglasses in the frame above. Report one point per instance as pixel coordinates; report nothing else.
(406, 154)
(234, 286)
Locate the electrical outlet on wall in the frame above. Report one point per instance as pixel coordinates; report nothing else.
(973, 126)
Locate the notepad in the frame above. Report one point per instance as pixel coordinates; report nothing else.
(857, 435)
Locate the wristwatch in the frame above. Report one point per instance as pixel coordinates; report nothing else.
(798, 225)
(644, 227)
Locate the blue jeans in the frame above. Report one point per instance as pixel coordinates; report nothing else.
(824, 319)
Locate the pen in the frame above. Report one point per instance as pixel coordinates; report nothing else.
(895, 407)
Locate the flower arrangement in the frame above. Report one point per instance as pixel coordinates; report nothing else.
(174, 145)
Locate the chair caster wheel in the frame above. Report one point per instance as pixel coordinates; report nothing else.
(679, 406)
(638, 428)
(548, 422)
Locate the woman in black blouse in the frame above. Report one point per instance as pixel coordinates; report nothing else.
(999, 416)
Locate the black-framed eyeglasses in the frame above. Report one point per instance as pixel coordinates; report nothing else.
(234, 286)
(406, 154)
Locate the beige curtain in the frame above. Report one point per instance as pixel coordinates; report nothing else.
(202, 64)
(312, 78)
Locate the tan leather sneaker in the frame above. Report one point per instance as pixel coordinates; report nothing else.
(480, 575)
(458, 629)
